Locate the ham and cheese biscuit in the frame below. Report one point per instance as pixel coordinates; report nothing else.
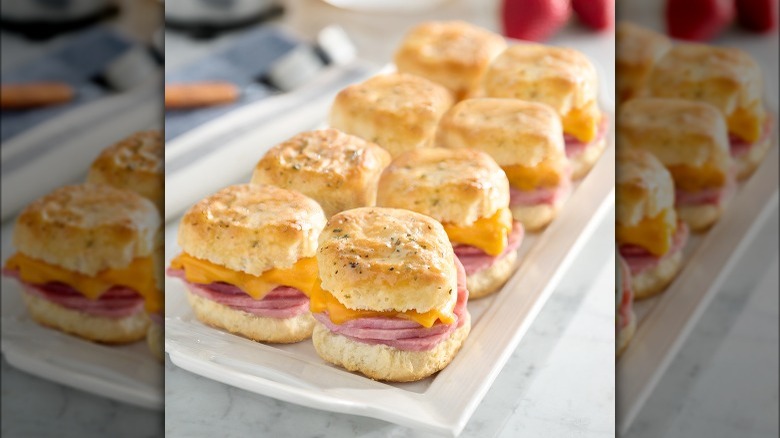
(468, 193)
(136, 164)
(731, 81)
(397, 111)
(365, 255)
(690, 139)
(85, 261)
(252, 228)
(338, 170)
(565, 80)
(526, 140)
(636, 51)
(454, 54)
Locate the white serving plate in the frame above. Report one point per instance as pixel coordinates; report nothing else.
(60, 150)
(442, 403)
(665, 321)
(128, 374)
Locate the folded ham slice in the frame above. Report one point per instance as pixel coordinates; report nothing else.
(575, 147)
(712, 196)
(542, 195)
(739, 147)
(401, 333)
(281, 302)
(640, 260)
(475, 259)
(117, 302)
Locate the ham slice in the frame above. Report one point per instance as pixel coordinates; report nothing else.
(475, 259)
(117, 302)
(575, 147)
(711, 196)
(640, 260)
(281, 302)
(739, 147)
(399, 333)
(542, 195)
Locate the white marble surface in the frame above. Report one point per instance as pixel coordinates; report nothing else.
(558, 383)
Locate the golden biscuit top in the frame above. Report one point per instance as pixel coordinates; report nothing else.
(676, 131)
(725, 77)
(327, 153)
(405, 96)
(644, 187)
(141, 152)
(450, 42)
(387, 259)
(560, 77)
(637, 45)
(252, 228)
(454, 186)
(88, 228)
(511, 131)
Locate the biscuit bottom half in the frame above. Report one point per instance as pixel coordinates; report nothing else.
(489, 280)
(382, 362)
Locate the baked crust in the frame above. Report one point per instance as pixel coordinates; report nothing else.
(509, 130)
(561, 77)
(135, 163)
(382, 362)
(454, 54)
(637, 49)
(338, 170)
(453, 186)
(88, 228)
(387, 259)
(252, 228)
(644, 187)
(397, 111)
(653, 281)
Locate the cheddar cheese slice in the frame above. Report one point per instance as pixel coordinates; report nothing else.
(488, 234)
(656, 234)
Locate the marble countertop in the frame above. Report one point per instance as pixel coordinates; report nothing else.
(559, 382)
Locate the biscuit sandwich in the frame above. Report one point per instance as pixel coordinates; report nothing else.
(637, 49)
(690, 139)
(468, 193)
(526, 140)
(338, 170)
(85, 260)
(397, 111)
(454, 54)
(625, 319)
(649, 235)
(564, 79)
(392, 299)
(248, 261)
(728, 79)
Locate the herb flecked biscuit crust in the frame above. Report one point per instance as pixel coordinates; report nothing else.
(453, 186)
(636, 51)
(387, 259)
(455, 54)
(252, 228)
(397, 111)
(88, 228)
(338, 170)
(136, 164)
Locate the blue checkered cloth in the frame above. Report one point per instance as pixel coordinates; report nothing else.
(78, 61)
(244, 63)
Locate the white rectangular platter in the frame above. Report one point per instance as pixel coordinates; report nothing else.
(442, 403)
(664, 322)
(128, 374)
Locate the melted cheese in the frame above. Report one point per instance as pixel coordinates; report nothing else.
(694, 179)
(488, 234)
(653, 234)
(322, 301)
(746, 123)
(530, 178)
(302, 275)
(583, 123)
(139, 276)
